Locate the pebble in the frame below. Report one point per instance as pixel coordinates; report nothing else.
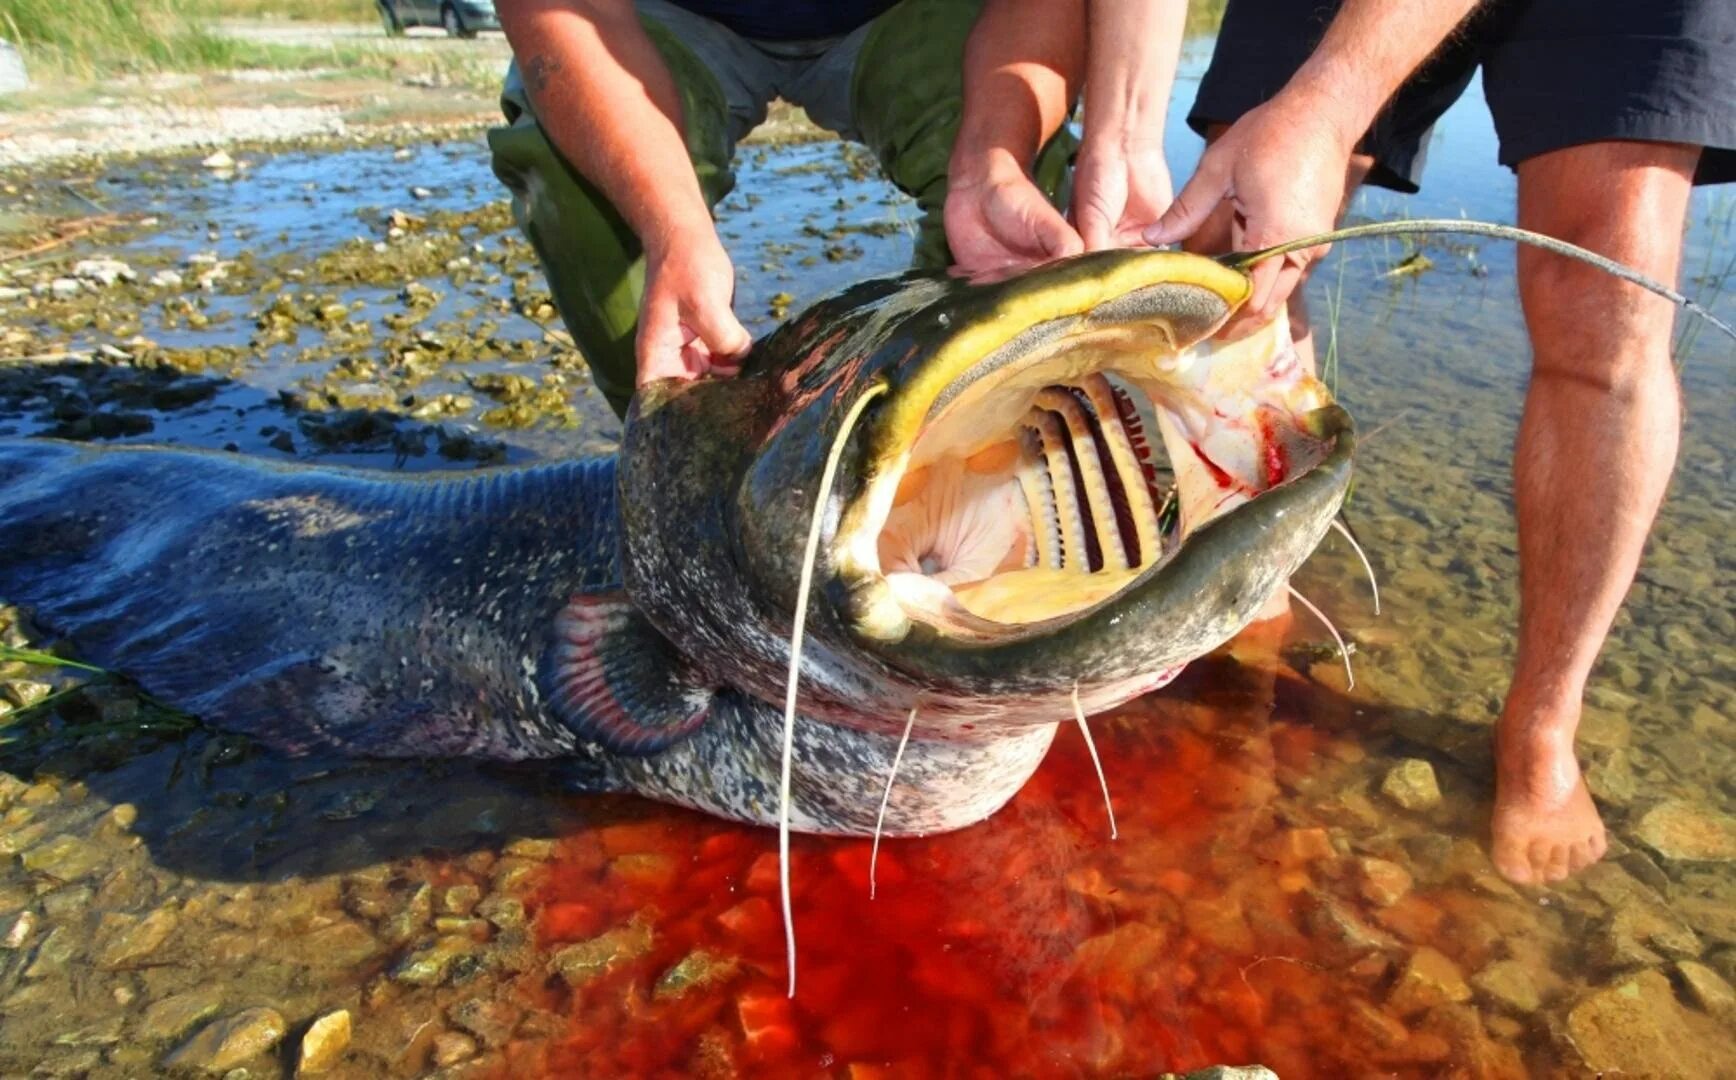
(429, 965)
(490, 1021)
(20, 931)
(224, 1044)
(324, 1043)
(1637, 1026)
(1411, 785)
(1383, 883)
(451, 1047)
(173, 1015)
(104, 271)
(65, 288)
(166, 279)
(1682, 831)
(123, 939)
(1707, 989)
(219, 161)
(9, 293)
(1509, 985)
(65, 857)
(1429, 979)
(579, 963)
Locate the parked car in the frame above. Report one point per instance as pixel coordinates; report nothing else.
(461, 18)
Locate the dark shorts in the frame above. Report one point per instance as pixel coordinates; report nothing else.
(1557, 73)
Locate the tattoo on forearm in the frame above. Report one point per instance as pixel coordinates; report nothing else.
(538, 70)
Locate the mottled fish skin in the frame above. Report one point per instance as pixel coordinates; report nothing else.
(312, 608)
(332, 610)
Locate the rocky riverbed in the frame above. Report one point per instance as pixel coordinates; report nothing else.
(1300, 879)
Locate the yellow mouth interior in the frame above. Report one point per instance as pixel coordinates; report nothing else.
(1036, 492)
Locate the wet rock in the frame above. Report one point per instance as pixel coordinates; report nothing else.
(52, 954)
(697, 970)
(491, 1021)
(1639, 935)
(171, 1017)
(1507, 984)
(1707, 989)
(324, 1043)
(1381, 882)
(1230, 1072)
(1429, 979)
(343, 944)
(122, 939)
(104, 271)
(227, 1043)
(219, 161)
(579, 963)
(1637, 1026)
(1682, 831)
(1411, 785)
(1713, 919)
(412, 918)
(1613, 780)
(65, 857)
(431, 964)
(505, 912)
(166, 279)
(451, 1047)
(1340, 934)
(22, 929)
(65, 288)
(459, 899)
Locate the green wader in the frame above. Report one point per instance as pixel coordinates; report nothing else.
(907, 94)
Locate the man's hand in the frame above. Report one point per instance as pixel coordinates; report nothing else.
(1282, 167)
(1120, 188)
(1001, 221)
(686, 326)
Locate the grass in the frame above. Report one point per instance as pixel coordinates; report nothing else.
(41, 725)
(101, 38)
(320, 11)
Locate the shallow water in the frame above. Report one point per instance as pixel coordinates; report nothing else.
(1284, 888)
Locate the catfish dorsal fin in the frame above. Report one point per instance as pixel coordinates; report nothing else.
(615, 681)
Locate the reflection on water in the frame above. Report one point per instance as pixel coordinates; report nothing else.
(1300, 877)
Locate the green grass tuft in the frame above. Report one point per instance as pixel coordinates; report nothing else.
(103, 38)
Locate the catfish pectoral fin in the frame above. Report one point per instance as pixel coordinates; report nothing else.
(615, 681)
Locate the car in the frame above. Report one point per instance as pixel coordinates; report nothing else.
(461, 18)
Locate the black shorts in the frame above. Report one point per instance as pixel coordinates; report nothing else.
(1557, 73)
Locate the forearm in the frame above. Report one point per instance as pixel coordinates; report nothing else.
(1369, 50)
(1134, 52)
(608, 103)
(1022, 68)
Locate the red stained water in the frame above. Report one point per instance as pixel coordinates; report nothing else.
(1029, 945)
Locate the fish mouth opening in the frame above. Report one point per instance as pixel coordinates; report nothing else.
(1040, 487)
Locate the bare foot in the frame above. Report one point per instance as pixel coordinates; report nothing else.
(1545, 826)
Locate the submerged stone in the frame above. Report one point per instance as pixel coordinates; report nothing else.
(1686, 832)
(221, 1046)
(698, 970)
(1637, 1026)
(579, 963)
(1508, 984)
(1411, 784)
(324, 1043)
(172, 1016)
(1429, 979)
(1707, 989)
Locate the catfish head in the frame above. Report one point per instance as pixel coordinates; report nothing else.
(1061, 485)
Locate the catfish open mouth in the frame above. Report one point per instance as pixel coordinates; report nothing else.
(1065, 468)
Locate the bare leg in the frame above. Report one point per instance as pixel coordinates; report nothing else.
(1596, 446)
(1213, 238)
